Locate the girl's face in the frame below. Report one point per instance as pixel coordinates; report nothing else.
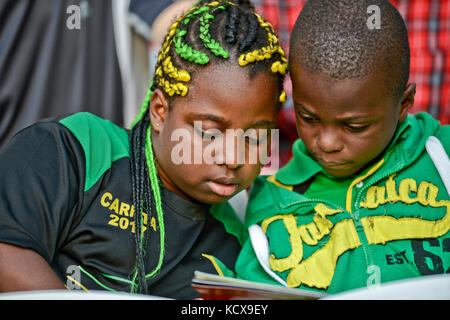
(195, 139)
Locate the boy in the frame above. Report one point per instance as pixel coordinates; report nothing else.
(365, 198)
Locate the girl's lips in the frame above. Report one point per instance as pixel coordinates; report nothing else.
(224, 190)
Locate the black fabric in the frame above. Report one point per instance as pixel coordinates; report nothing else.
(148, 10)
(44, 207)
(47, 69)
(40, 174)
(303, 187)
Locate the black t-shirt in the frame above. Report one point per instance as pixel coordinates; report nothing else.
(65, 192)
(48, 67)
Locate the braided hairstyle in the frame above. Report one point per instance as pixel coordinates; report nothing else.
(210, 32)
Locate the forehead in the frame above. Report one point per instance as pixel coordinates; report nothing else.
(339, 97)
(226, 77)
(228, 91)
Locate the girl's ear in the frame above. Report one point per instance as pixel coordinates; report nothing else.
(407, 100)
(159, 109)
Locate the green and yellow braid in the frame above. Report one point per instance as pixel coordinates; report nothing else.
(267, 53)
(174, 81)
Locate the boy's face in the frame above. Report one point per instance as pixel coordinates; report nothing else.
(345, 124)
(219, 99)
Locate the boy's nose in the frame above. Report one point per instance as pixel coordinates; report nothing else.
(329, 141)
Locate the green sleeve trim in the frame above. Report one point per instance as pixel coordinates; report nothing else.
(233, 225)
(102, 141)
(220, 267)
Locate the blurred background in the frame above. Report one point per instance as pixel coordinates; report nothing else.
(65, 56)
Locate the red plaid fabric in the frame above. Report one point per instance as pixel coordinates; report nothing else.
(282, 14)
(428, 23)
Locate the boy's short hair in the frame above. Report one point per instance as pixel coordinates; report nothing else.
(342, 40)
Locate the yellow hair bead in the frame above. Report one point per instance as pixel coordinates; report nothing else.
(283, 97)
(274, 66)
(277, 66)
(241, 60)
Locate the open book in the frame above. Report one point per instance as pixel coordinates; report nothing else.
(214, 287)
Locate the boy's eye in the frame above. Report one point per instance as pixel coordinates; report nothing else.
(307, 118)
(356, 127)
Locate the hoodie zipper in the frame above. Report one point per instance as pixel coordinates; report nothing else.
(354, 214)
(357, 219)
(329, 203)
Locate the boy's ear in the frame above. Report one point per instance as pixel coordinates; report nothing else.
(407, 100)
(159, 108)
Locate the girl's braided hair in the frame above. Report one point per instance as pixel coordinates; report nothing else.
(210, 32)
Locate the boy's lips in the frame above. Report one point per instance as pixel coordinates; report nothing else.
(223, 187)
(333, 164)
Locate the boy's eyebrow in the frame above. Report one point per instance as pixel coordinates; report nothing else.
(305, 109)
(346, 119)
(223, 121)
(354, 118)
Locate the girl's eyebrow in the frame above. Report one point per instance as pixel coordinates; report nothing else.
(262, 123)
(211, 117)
(227, 123)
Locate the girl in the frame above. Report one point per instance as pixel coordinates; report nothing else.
(88, 205)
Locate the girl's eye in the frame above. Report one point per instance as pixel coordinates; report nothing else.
(356, 128)
(257, 137)
(211, 134)
(253, 141)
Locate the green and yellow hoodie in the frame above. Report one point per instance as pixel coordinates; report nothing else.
(312, 231)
